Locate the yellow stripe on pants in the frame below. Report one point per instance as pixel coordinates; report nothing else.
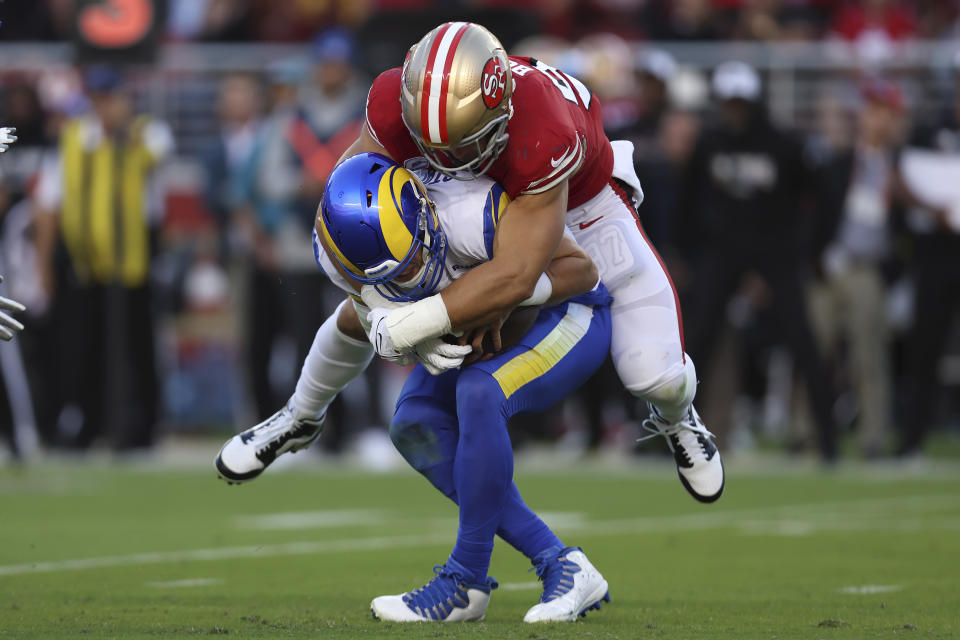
(530, 365)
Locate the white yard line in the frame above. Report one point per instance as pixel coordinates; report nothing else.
(869, 589)
(312, 519)
(230, 553)
(869, 515)
(186, 583)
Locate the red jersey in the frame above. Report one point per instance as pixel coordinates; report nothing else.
(555, 132)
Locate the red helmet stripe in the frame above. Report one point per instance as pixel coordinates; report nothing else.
(430, 99)
(428, 79)
(448, 64)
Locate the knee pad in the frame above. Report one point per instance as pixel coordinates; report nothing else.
(672, 392)
(647, 361)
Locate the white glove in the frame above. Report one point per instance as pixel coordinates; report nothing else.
(7, 324)
(437, 356)
(382, 342)
(6, 139)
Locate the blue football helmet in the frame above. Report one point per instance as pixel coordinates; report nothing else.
(376, 218)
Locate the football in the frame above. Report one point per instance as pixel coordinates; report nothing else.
(517, 324)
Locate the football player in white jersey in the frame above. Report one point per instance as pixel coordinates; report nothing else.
(382, 231)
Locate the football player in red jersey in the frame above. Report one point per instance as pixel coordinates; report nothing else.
(466, 106)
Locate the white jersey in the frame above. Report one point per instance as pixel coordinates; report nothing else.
(468, 211)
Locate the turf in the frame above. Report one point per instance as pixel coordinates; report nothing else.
(122, 552)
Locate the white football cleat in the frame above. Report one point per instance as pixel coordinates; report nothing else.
(247, 454)
(571, 586)
(446, 598)
(698, 460)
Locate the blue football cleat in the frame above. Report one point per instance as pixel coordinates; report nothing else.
(446, 598)
(571, 586)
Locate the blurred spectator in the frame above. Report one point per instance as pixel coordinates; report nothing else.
(228, 157)
(873, 30)
(654, 70)
(300, 143)
(939, 19)
(861, 20)
(21, 109)
(216, 20)
(286, 20)
(645, 129)
(681, 20)
(740, 201)
(776, 20)
(92, 202)
(34, 21)
(853, 244)
(937, 278)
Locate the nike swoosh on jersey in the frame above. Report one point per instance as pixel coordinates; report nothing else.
(584, 225)
(563, 156)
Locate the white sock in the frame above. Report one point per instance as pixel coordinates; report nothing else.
(334, 360)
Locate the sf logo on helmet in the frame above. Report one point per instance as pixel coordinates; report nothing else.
(492, 83)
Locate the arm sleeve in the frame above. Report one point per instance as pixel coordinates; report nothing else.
(545, 148)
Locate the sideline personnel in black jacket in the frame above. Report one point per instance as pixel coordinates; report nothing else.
(739, 204)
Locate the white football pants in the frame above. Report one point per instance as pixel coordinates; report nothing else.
(647, 343)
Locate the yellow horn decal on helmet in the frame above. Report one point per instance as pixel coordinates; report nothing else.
(328, 241)
(398, 237)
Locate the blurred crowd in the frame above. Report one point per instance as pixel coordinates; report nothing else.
(868, 22)
(819, 269)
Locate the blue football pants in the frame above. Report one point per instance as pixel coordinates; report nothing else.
(452, 428)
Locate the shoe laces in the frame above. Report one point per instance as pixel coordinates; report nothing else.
(556, 571)
(444, 593)
(685, 431)
(277, 430)
(267, 431)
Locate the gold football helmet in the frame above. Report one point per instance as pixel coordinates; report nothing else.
(455, 95)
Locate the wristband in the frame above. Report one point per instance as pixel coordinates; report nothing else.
(413, 323)
(541, 292)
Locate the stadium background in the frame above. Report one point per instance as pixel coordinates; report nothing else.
(113, 523)
(241, 87)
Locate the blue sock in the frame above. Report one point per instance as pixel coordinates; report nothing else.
(523, 529)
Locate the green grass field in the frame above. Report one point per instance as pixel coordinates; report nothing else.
(128, 552)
